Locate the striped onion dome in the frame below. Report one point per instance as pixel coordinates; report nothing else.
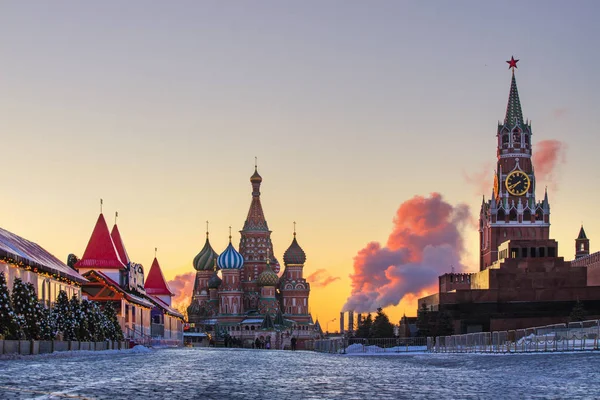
(214, 281)
(268, 277)
(204, 261)
(230, 258)
(294, 254)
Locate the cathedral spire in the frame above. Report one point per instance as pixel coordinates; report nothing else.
(256, 217)
(514, 114)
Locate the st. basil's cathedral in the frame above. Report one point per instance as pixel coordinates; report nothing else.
(250, 301)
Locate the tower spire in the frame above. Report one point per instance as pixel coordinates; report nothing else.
(514, 114)
(256, 218)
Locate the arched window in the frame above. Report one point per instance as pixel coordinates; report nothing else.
(527, 216)
(539, 215)
(513, 215)
(581, 247)
(501, 215)
(505, 140)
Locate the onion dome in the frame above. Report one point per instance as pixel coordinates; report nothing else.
(294, 254)
(204, 260)
(230, 258)
(256, 178)
(193, 308)
(214, 281)
(267, 277)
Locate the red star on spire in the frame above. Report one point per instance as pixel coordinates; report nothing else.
(512, 63)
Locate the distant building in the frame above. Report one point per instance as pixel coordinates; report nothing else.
(583, 258)
(408, 327)
(250, 301)
(521, 282)
(21, 258)
(144, 311)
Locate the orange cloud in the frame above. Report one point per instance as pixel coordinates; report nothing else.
(425, 242)
(547, 155)
(481, 181)
(321, 278)
(182, 285)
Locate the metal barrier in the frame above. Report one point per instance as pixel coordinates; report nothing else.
(370, 346)
(576, 336)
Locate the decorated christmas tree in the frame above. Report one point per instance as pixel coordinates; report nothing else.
(113, 331)
(8, 326)
(33, 314)
(21, 303)
(80, 326)
(97, 322)
(47, 325)
(62, 316)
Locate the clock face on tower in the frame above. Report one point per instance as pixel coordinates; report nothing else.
(517, 183)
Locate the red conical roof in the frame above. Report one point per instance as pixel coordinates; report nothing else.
(118, 241)
(100, 251)
(155, 282)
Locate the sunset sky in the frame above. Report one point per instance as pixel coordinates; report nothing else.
(352, 108)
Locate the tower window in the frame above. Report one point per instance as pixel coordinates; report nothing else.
(581, 247)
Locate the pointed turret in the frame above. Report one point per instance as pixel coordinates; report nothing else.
(100, 252)
(514, 114)
(582, 244)
(582, 234)
(256, 217)
(155, 282)
(119, 245)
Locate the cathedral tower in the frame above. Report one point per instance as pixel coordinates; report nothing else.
(512, 212)
(292, 285)
(230, 292)
(255, 244)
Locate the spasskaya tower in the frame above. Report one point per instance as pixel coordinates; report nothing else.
(512, 212)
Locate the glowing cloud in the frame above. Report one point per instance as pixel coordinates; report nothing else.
(425, 242)
(321, 278)
(182, 285)
(547, 155)
(481, 180)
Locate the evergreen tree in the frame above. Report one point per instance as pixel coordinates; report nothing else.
(578, 313)
(80, 326)
(364, 327)
(8, 326)
(21, 303)
(382, 327)
(114, 331)
(423, 321)
(96, 321)
(48, 325)
(62, 316)
(445, 324)
(33, 314)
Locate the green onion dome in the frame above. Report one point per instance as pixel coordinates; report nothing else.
(268, 277)
(204, 261)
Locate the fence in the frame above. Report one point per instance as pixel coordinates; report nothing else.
(368, 346)
(31, 347)
(575, 336)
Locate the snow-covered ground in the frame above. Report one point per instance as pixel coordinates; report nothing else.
(359, 349)
(186, 373)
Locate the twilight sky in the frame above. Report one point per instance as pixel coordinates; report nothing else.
(352, 108)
